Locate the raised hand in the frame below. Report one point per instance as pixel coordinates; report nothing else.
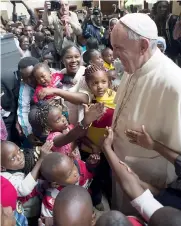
(46, 148)
(108, 141)
(142, 138)
(93, 112)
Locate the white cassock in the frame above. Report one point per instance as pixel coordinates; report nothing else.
(150, 97)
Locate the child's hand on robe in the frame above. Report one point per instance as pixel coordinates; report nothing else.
(142, 138)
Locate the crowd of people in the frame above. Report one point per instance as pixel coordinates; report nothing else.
(93, 113)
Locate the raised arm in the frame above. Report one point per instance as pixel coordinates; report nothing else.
(72, 97)
(90, 114)
(47, 18)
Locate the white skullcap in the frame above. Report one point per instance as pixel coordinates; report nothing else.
(141, 24)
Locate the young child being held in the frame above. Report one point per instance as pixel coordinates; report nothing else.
(98, 82)
(107, 55)
(93, 56)
(45, 79)
(22, 170)
(62, 170)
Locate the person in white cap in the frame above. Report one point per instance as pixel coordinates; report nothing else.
(150, 95)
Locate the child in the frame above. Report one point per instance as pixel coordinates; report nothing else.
(115, 80)
(107, 55)
(64, 171)
(170, 196)
(98, 83)
(22, 170)
(53, 121)
(45, 79)
(50, 118)
(77, 209)
(93, 56)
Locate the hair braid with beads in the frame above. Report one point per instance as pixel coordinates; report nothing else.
(31, 157)
(43, 112)
(90, 70)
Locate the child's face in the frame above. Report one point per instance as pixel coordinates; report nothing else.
(12, 157)
(97, 59)
(56, 121)
(66, 173)
(98, 83)
(43, 77)
(108, 57)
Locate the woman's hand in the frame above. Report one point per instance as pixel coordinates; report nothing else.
(92, 113)
(107, 144)
(142, 138)
(46, 149)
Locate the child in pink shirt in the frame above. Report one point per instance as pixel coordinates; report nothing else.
(45, 79)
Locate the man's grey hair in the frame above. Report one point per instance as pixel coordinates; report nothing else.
(134, 36)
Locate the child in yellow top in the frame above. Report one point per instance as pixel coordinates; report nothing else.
(98, 82)
(107, 55)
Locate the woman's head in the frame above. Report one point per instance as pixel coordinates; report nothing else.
(97, 80)
(12, 157)
(93, 56)
(42, 74)
(50, 117)
(71, 57)
(24, 42)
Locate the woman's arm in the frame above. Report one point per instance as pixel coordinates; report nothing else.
(72, 97)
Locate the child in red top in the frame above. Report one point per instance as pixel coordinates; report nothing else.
(63, 171)
(45, 79)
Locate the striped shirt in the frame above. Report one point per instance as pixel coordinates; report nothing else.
(25, 96)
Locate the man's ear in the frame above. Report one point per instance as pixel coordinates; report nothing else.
(144, 46)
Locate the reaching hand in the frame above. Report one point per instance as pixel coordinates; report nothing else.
(93, 159)
(7, 216)
(46, 148)
(142, 138)
(108, 138)
(93, 112)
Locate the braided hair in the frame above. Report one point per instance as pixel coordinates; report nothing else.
(90, 70)
(44, 110)
(31, 157)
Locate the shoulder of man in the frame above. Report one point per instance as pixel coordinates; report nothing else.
(73, 15)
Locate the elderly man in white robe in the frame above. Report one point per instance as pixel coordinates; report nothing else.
(150, 95)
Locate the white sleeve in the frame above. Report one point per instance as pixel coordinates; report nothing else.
(23, 185)
(146, 205)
